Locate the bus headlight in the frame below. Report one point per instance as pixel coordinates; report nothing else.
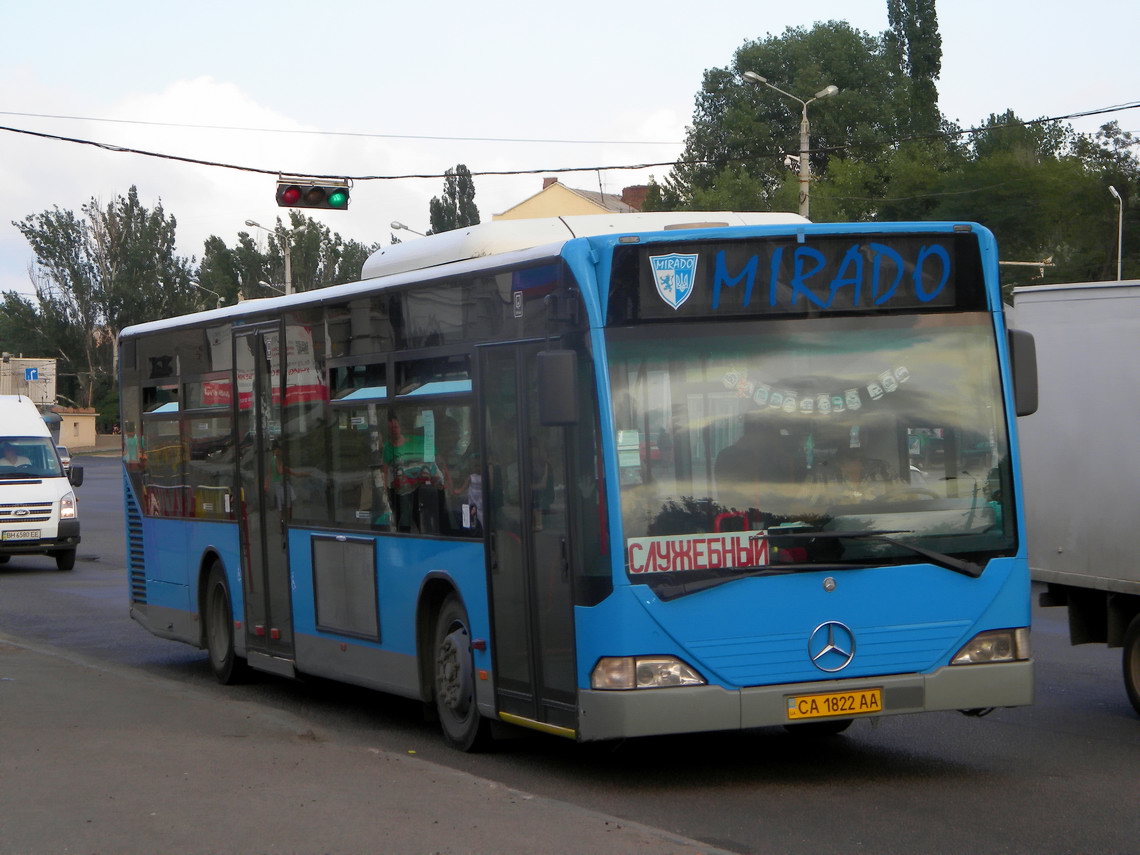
(643, 672)
(67, 509)
(995, 645)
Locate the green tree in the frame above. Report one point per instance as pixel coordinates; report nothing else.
(1043, 191)
(317, 258)
(456, 209)
(94, 274)
(916, 46)
(744, 137)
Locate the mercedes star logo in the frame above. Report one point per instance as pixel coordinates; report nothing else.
(831, 646)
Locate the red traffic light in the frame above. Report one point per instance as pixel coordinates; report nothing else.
(312, 194)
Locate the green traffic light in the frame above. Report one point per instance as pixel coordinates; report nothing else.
(338, 199)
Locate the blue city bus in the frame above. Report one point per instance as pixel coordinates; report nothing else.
(602, 477)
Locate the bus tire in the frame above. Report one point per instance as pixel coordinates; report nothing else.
(65, 559)
(453, 672)
(1132, 662)
(817, 729)
(219, 629)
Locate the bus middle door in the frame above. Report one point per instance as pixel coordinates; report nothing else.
(260, 370)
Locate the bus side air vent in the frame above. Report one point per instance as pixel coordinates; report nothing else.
(135, 567)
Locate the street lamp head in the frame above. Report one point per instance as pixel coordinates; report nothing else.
(1112, 190)
(753, 77)
(827, 91)
(253, 224)
(397, 225)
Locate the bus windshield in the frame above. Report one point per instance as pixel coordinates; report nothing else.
(735, 434)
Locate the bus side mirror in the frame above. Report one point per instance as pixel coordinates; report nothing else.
(1023, 359)
(557, 387)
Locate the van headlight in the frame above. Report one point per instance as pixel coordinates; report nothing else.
(67, 507)
(995, 645)
(643, 672)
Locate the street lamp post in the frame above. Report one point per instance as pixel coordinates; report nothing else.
(208, 291)
(805, 167)
(1119, 230)
(284, 249)
(397, 225)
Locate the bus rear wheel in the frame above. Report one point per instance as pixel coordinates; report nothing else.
(1132, 662)
(219, 619)
(454, 679)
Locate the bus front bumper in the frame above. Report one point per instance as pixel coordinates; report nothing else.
(691, 709)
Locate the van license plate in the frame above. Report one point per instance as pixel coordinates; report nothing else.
(858, 702)
(21, 534)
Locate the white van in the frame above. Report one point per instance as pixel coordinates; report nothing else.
(38, 510)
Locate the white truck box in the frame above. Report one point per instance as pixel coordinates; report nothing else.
(38, 509)
(1080, 459)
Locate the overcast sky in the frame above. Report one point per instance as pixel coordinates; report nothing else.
(415, 88)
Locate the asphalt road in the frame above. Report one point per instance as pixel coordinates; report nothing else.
(1058, 777)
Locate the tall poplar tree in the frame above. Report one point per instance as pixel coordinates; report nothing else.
(456, 209)
(916, 45)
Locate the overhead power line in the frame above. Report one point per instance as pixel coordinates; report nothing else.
(562, 169)
(338, 133)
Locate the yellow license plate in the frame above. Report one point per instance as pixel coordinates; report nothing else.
(857, 702)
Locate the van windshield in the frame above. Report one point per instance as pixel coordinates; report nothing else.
(29, 457)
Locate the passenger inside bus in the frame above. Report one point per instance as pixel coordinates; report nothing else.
(415, 482)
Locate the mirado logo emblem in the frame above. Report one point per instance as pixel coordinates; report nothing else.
(675, 275)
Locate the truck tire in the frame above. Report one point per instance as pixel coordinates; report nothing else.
(1132, 662)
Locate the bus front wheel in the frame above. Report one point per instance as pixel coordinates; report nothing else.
(224, 662)
(1132, 662)
(454, 679)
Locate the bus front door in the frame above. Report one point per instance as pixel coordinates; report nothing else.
(532, 607)
(263, 504)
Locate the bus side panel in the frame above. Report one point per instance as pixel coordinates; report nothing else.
(378, 651)
(172, 556)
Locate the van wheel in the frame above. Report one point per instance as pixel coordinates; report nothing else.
(65, 560)
(1132, 662)
(463, 727)
(219, 618)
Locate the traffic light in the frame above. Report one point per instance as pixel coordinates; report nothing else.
(294, 192)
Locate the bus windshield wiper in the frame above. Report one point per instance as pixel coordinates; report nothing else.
(667, 590)
(940, 559)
